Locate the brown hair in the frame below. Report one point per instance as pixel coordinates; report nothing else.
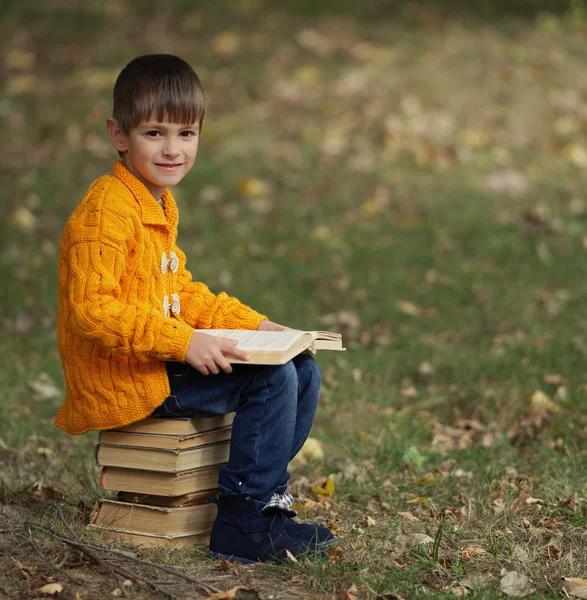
(162, 85)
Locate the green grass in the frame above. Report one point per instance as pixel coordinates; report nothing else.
(378, 138)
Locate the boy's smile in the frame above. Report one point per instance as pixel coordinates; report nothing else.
(159, 153)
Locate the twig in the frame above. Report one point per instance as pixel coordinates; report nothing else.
(208, 588)
(113, 570)
(47, 562)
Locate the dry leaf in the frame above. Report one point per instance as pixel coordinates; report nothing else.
(22, 218)
(328, 489)
(45, 388)
(225, 565)
(351, 593)
(238, 592)
(312, 449)
(408, 517)
(543, 403)
(25, 571)
(409, 308)
(575, 586)
(253, 187)
(290, 556)
(515, 584)
(570, 502)
(475, 581)
(408, 541)
(470, 551)
(50, 589)
(369, 521)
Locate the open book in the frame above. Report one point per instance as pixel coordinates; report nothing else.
(277, 347)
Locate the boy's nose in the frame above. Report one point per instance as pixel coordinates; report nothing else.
(170, 150)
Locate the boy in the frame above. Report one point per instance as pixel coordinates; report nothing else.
(128, 309)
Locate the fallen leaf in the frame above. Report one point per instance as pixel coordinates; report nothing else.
(369, 521)
(351, 593)
(409, 308)
(427, 479)
(50, 589)
(22, 218)
(45, 388)
(225, 565)
(475, 581)
(541, 402)
(409, 541)
(312, 449)
(252, 187)
(239, 592)
(408, 517)
(570, 502)
(575, 586)
(328, 489)
(515, 584)
(469, 552)
(25, 571)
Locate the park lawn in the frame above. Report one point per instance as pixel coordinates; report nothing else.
(412, 178)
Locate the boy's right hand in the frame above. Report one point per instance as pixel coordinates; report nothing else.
(207, 353)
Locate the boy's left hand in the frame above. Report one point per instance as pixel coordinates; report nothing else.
(267, 325)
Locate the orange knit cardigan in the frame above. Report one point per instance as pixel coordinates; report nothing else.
(126, 304)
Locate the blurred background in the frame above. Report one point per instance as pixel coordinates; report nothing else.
(411, 174)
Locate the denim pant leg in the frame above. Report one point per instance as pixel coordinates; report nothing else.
(265, 398)
(309, 386)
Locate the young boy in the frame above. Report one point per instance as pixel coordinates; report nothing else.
(128, 309)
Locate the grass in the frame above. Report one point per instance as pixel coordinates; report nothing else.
(425, 171)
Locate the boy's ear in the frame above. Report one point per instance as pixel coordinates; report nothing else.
(117, 136)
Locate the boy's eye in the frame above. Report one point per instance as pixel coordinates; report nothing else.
(152, 133)
(187, 133)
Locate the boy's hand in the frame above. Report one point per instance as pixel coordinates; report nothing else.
(207, 353)
(267, 325)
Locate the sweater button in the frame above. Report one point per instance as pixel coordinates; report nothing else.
(166, 306)
(175, 305)
(164, 263)
(173, 262)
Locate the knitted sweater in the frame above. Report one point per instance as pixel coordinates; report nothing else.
(126, 304)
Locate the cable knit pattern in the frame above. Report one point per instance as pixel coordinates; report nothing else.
(127, 303)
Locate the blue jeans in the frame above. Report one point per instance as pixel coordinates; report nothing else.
(275, 407)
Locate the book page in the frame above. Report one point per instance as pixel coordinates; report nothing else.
(252, 340)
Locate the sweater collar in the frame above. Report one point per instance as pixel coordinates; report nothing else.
(151, 213)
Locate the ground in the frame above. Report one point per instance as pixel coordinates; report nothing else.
(410, 174)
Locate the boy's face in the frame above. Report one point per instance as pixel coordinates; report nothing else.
(160, 154)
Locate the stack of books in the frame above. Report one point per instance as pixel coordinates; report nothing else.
(163, 470)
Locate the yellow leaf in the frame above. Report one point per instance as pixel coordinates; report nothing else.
(428, 479)
(543, 403)
(50, 589)
(328, 489)
(23, 219)
(312, 449)
(421, 500)
(236, 592)
(252, 187)
(369, 521)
